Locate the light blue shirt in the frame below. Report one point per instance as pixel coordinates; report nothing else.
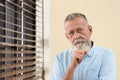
(98, 64)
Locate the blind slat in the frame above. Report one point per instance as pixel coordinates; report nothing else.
(17, 45)
(16, 58)
(17, 38)
(11, 73)
(17, 65)
(21, 77)
(16, 52)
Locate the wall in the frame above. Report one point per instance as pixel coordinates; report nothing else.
(103, 15)
(47, 37)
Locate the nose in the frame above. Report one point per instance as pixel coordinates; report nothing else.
(76, 35)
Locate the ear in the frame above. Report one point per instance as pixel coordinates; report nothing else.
(90, 29)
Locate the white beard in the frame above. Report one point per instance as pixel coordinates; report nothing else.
(82, 46)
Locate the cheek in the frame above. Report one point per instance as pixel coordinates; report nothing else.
(70, 39)
(87, 34)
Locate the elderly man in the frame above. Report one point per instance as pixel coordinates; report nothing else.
(85, 60)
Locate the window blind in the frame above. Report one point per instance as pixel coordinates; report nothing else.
(21, 39)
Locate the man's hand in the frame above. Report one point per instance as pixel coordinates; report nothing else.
(78, 57)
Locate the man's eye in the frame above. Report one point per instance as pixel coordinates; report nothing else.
(71, 33)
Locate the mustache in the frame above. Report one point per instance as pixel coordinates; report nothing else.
(79, 40)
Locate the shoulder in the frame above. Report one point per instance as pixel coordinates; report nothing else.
(102, 56)
(63, 55)
(103, 51)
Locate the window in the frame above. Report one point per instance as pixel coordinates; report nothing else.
(21, 40)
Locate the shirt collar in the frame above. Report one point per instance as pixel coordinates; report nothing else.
(90, 52)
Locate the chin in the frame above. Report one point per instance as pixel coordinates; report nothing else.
(84, 46)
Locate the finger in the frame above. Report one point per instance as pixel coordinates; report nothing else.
(79, 58)
(80, 55)
(83, 53)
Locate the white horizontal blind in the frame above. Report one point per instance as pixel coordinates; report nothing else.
(19, 39)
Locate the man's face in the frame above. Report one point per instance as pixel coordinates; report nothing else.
(78, 31)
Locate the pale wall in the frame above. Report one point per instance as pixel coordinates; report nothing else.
(103, 15)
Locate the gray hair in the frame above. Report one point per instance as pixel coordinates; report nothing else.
(75, 15)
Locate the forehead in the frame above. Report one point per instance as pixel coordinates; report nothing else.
(75, 23)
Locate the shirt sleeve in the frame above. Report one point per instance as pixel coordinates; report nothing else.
(108, 68)
(57, 69)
